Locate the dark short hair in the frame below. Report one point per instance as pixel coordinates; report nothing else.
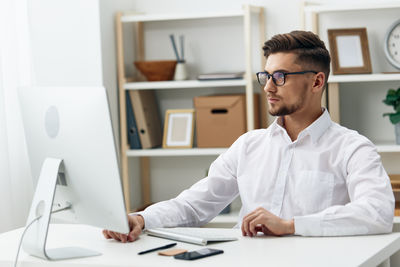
(309, 48)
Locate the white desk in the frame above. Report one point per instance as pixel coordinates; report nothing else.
(256, 251)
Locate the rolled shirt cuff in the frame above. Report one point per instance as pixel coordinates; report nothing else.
(149, 222)
(309, 225)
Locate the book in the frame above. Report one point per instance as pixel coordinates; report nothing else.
(147, 117)
(221, 76)
(133, 133)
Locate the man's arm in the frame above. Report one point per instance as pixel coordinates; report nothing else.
(205, 199)
(195, 206)
(200, 203)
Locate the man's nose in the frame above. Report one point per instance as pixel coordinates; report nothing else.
(270, 86)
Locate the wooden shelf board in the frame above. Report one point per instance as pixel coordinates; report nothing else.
(184, 84)
(166, 152)
(375, 77)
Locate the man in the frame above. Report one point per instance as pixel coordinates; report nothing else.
(303, 175)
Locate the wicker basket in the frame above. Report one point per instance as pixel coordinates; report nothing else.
(162, 70)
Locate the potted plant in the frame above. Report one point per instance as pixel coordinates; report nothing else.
(393, 99)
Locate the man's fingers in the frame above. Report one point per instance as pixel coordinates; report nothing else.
(106, 235)
(252, 213)
(134, 234)
(114, 235)
(123, 238)
(254, 223)
(137, 231)
(259, 228)
(248, 218)
(246, 222)
(266, 231)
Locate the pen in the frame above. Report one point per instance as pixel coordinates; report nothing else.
(158, 248)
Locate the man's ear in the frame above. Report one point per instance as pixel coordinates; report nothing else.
(319, 82)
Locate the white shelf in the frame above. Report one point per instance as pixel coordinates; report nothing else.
(140, 17)
(184, 84)
(167, 152)
(224, 220)
(164, 17)
(352, 7)
(364, 78)
(386, 147)
(376, 77)
(231, 217)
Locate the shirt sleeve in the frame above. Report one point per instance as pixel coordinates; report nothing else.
(371, 206)
(204, 200)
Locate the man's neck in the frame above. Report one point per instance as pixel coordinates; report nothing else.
(295, 123)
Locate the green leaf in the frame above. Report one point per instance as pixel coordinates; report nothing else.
(391, 92)
(392, 98)
(394, 118)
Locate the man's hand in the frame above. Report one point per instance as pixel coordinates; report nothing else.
(264, 221)
(136, 224)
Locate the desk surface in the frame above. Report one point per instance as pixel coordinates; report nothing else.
(247, 251)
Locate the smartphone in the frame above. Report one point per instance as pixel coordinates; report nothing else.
(197, 254)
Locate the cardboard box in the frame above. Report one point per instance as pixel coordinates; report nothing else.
(220, 120)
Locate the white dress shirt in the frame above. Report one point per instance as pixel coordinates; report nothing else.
(330, 181)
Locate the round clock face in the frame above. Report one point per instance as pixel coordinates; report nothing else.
(392, 44)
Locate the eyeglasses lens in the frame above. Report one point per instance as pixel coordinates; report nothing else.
(279, 78)
(262, 78)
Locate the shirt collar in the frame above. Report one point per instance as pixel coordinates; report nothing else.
(315, 130)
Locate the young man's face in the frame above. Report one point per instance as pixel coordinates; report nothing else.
(295, 93)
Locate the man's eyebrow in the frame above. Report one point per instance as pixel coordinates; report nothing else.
(281, 70)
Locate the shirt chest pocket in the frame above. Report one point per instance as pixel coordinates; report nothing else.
(313, 191)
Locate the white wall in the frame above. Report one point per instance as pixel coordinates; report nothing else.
(65, 38)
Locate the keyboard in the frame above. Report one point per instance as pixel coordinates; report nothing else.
(199, 236)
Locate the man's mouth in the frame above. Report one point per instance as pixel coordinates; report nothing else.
(272, 99)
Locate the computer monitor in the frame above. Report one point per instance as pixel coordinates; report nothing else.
(73, 155)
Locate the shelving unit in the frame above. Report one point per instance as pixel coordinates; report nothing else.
(123, 84)
(311, 22)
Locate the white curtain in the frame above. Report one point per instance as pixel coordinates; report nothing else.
(16, 187)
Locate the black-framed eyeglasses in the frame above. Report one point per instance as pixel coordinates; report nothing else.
(278, 77)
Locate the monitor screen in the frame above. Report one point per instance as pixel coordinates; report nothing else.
(73, 125)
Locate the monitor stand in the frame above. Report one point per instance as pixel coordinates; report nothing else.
(36, 235)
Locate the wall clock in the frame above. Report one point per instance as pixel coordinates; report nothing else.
(392, 44)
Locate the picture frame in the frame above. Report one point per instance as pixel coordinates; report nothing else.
(349, 51)
(178, 128)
